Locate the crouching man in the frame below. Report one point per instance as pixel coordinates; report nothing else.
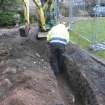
(58, 38)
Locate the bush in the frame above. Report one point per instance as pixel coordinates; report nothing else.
(7, 18)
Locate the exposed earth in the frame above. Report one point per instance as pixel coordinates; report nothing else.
(26, 77)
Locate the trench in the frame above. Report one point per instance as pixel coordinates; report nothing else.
(73, 87)
(66, 91)
(64, 87)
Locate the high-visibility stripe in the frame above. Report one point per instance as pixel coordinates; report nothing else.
(58, 41)
(61, 39)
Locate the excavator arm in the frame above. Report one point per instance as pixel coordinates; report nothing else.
(40, 13)
(43, 15)
(26, 11)
(24, 30)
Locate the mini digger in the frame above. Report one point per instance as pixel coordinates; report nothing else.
(47, 12)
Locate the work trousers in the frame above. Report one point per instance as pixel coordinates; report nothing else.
(56, 57)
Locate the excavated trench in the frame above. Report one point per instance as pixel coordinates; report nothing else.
(83, 78)
(82, 82)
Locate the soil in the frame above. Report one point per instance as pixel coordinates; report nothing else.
(26, 77)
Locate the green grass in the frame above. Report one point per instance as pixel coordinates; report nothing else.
(88, 28)
(91, 27)
(78, 40)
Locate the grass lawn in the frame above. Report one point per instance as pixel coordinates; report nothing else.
(88, 28)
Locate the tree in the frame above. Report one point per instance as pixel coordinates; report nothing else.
(8, 10)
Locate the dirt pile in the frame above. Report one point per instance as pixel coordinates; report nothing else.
(86, 76)
(25, 75)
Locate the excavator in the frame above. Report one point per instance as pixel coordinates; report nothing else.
(47, 16)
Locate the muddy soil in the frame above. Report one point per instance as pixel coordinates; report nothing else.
(86, 75)
(26, 77)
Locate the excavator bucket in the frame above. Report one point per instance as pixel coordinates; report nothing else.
(41, 36)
